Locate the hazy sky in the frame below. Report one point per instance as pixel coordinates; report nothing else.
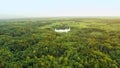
(43, 8)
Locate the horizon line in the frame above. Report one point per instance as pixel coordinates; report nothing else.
(23, 17)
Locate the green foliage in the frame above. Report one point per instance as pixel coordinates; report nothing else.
(91, 43)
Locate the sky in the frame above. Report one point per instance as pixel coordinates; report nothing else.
(54, 8)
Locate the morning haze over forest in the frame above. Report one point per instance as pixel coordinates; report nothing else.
(59, 34)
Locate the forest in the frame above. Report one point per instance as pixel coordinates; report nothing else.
(33, 43)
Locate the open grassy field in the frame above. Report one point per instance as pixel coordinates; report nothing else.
(33, 43)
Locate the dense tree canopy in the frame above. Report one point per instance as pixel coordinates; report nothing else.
(33, 43)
